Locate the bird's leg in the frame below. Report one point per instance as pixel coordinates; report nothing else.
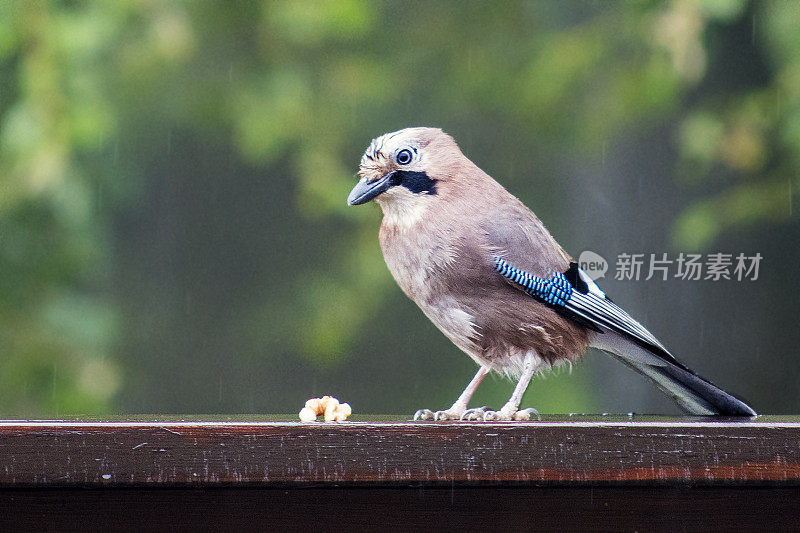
(510, 411)
(460, 406)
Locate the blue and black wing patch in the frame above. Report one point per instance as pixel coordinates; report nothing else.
(555, 291)
(574, 295)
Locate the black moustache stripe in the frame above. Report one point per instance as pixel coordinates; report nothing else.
(416, 182)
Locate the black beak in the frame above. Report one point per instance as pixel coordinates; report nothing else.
(364, 191)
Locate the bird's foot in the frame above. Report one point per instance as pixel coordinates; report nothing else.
(476, 414)
(505, 414)
(481, 414)
(439, 416)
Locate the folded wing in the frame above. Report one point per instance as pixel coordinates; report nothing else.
(575, 295)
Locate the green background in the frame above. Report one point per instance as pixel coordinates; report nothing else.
(173, 174)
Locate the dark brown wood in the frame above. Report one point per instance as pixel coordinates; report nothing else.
(459, 508)
(253, 474)
(277, 454)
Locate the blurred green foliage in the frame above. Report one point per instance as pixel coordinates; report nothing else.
(173, 232)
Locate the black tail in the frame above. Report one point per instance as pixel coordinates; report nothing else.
(693, 393)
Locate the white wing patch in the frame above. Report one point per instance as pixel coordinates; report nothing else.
(593, 288)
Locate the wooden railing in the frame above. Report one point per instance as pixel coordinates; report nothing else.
(567, 473)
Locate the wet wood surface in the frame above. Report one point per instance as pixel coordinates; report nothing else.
(266, 473)
(262, 453)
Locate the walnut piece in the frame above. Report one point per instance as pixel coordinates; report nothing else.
(328, 406)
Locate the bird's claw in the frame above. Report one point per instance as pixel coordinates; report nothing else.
(476, 414)
(482, 414)
(525, 414)
(424, 414)
(495, 416)
(438, 416)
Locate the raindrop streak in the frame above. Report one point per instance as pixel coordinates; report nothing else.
(169, 142)
(790, 196)
(753, 34)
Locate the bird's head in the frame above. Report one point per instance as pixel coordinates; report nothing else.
(404, 171)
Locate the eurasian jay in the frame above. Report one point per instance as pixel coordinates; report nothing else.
(489, 275)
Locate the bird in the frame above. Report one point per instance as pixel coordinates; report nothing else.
(489, 275)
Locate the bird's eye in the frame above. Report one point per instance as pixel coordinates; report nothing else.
(404, 156)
